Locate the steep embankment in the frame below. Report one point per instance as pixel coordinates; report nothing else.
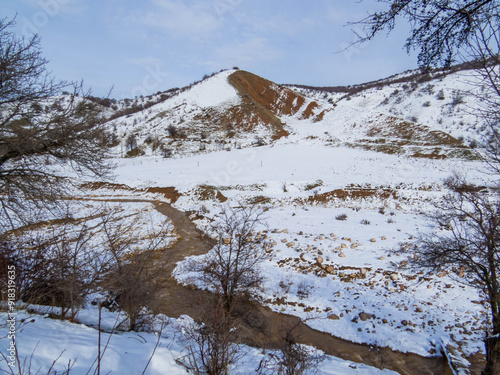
(266, 103)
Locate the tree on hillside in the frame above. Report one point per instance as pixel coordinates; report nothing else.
(41, 132)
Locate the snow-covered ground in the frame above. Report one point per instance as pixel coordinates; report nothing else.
(41, 340)
(424, 311)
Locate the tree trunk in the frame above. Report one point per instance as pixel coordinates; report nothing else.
(492, 341)
(492, 356)
(133, 323)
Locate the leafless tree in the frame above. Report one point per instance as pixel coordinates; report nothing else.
(131, 142)
(37, 130)
(447, 32)
(210, 343)
(172, 130)
(232, 266)
(440, 29)
(134, 277)
(485, 51)
(468, 239)
(56, 268)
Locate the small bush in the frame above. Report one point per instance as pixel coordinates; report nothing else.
(457, 99)
(390, 221)
(172, 130)
(440, 95)
(385, 101)
(341, 217)
(303, 289)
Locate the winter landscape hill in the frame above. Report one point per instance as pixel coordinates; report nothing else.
(412, 113)
(346, 178)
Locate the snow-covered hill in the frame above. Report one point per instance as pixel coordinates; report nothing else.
(409, 115)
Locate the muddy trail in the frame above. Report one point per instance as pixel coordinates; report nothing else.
(262, 327)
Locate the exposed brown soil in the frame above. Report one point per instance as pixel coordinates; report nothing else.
(263, 101)
(353, 193)
(168, 192)
(105, 185)
(208, 192)
(393, 127)
(260, 326)
(392, 135)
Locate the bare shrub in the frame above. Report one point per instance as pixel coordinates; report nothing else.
(291, 358)
(231, 268)
(172, 130)
(133, 280)
(166, 152)
(57, 268)
(209, 343)
(341, 217)
(131, 142)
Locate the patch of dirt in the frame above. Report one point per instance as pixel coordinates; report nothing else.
(393, 127)
(352, 193)
(168, 192)
(259, 199)
(392, 135)
(208, 192)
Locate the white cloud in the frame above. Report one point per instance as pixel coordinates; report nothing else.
(197, 19)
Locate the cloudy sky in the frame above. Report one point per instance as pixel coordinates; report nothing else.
(144, 46)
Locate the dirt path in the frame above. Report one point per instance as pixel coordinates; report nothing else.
(261, 326)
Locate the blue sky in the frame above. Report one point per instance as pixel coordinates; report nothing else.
(144, 46)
